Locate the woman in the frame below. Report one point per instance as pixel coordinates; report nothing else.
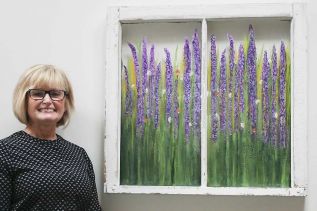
(39, 170)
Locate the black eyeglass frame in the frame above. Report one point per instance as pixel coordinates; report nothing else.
(49, 94)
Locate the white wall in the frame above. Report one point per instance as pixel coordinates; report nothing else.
(71, 35)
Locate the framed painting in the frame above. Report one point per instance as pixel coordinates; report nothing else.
(206, 100)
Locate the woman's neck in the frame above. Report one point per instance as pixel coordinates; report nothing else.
(41, 131)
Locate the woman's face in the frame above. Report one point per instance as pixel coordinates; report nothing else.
(45, 111)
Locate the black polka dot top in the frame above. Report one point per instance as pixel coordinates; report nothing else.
(37, 174)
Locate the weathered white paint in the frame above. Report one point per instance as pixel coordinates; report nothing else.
(183, 13)
(232, 191)
(204, 66)
(299, 96)
(112, 100)
(118, 15)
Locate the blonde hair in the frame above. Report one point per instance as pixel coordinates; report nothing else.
(39, 76)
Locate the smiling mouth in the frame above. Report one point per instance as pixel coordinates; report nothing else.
(47, 110)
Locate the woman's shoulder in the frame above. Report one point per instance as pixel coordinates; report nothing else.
(70, 144)
(9, 143)
(74, 149)
(10, 140)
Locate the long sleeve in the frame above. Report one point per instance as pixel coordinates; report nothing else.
(5, 181)
(94, 205)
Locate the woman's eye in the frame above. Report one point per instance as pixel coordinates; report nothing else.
(55, 93)
(37, 94)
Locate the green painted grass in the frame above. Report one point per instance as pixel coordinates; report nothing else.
(162, 157)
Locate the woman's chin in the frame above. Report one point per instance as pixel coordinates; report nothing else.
(47, 119)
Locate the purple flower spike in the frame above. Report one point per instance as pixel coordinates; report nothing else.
(213, 87)
(223, 89)
(197, 93)
(282, 99)
(187, 89)
(140, 104)
(128, 98)
(251, 62)
(169, 85)
(265, 98)
(157, 95)
(236, 102)
(238, 89)
(150, 84)
(144, 72)
(176, 107)
(274, 126)
(231, 70)
(241, 77)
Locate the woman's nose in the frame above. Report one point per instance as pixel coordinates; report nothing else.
(47, 98)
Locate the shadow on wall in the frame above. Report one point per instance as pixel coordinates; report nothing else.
(142, 202)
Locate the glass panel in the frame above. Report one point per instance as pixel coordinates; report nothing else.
(249, 103)
(160, 104)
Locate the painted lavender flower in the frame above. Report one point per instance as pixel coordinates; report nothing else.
(282, 99)
(140, 103)
(238, 82)
(128, 99)
(240, 68)
(157, 95)
(251, 62)
(197, 90)
(187, 89)
(223, 89)
(274, 126)
(144, 73)
(151, 73)
(236, 102)
(169, 84)
(176, 107)
(231, 69)
(265, 98)
(213, 87)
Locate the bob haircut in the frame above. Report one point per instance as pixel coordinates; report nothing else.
(42, 76)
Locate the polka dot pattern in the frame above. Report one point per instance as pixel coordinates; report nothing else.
(37, 174)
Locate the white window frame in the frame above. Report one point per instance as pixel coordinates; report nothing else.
(294, 12)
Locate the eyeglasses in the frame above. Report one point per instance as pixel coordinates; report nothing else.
(55, 95)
